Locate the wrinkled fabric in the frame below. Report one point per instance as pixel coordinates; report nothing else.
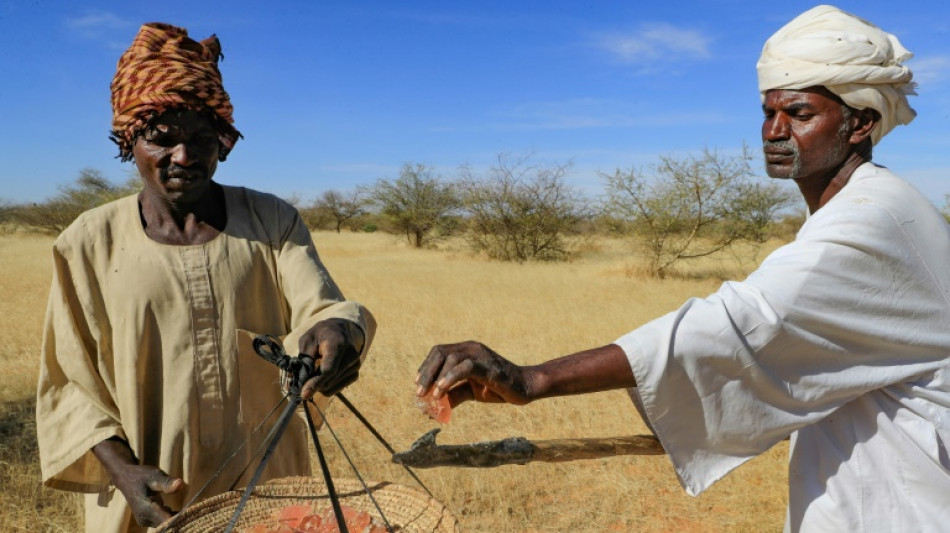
(851, 57)
(841, 340)
(163, 68)
(149, 342)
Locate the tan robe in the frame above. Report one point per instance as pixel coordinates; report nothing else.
(142, 342)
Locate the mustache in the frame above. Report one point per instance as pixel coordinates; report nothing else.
(786, 145)
(174, 171)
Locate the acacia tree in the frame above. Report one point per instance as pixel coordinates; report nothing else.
(89, 190)
(418, 203)
(693, 206)
(339, 207)
(520, 210)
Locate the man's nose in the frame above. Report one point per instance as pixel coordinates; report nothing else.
(183, 155)
(775, 128)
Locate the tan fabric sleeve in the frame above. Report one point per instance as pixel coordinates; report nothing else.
(74, 406)
(311, 293)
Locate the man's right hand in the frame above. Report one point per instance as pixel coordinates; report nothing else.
(142, 485)
(472, 371)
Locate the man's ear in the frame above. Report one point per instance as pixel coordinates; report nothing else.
(865, 121)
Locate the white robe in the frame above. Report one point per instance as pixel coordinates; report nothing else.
(841, 339)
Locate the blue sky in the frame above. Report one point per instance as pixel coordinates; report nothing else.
(334, 94)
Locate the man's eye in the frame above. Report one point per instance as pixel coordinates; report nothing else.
(158, 138)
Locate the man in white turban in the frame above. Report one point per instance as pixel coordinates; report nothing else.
(839, 340)
(850, 57)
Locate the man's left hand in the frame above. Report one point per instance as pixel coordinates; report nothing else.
(336, 345)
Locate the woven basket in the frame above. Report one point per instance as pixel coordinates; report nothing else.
(407, 510)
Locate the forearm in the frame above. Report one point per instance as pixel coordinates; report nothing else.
(114, 454)
(595, 370)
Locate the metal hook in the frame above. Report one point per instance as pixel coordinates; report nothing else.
(299, 369)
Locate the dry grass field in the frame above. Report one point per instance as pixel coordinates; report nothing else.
(527, 312)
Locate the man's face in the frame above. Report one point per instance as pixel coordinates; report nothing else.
(177, 155)
(805, 133)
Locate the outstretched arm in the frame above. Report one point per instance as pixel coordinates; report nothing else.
(472, 371)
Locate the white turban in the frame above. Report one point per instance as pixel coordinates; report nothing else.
(851, 57)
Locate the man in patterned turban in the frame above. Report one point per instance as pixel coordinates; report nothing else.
(164, 69)
(839, 340)
(149, 388)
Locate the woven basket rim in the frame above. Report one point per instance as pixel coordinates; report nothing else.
(406, 509)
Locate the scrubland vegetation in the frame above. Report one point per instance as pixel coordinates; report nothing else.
(521, 209)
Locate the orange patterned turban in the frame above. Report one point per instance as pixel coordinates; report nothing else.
(164, 69)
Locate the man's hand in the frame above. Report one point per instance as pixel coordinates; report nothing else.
(142, 485)
(472, 371)
(336, 345)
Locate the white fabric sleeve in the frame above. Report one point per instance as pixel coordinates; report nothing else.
(846, 308)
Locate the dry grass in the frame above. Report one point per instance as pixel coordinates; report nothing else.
(24, 504)
(528, 312)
